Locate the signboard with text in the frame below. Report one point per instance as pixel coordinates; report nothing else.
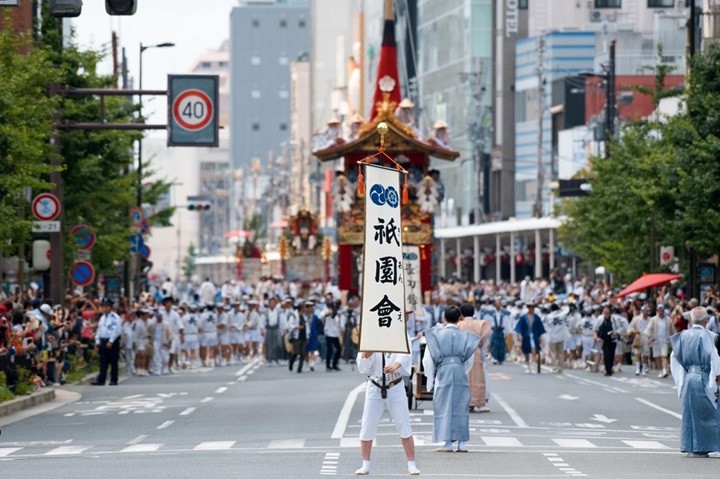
(382, 319)
(193, 110)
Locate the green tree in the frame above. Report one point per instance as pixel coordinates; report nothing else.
(189, 267)
(26, 114)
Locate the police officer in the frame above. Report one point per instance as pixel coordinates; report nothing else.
(107, 341)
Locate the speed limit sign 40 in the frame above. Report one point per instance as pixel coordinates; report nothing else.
(192, 110)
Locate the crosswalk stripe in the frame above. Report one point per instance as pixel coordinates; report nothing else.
(287, 444)
(567, 442)
(214, 445)
(501, 441)
(350, 442)
(142, 448)
(646, 444)
(63, 450)
(6, 451)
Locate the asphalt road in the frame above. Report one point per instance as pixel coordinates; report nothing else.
(258, 421)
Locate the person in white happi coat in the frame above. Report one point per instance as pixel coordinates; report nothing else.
(237, 337)
(252, 329)
(141, 344)
(385, 390)
(191, 333)
(162, 337)
(128, 341)
(208, 335)
(223, 329)
(172, 319)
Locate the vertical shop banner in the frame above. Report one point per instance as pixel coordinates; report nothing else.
(382, 321)
(411, 271)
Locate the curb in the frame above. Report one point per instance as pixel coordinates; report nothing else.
(26, 402)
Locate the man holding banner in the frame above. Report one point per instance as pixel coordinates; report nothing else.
(384, 349)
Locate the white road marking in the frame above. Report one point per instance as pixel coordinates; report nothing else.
(555, 459)
(187, 411)
(659, 408)
(133, 396)
(243, 378)
(208, 399)
(287, 444)
(214, 446)
(329, 466)
(567, 397)
(65, 450)
(138, 439)
(344, 416)
(70, 414)
(572, 442)
(646, 445)
(6, 451)
(166, 424)
(142, 448)
(220, 390)
(350, 442)
(603, 418)
(501, 441)
(595, 383)
(245, 369)
(511, 412)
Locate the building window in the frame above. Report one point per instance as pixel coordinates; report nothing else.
(283, 22)
(205, 65)
(256, 126)
(255, 94)
(661, 3)
(255, 60)
(255, 23)
(223, 64)
(608, 3)
(283, 126)
(523, 4)
(301, 22)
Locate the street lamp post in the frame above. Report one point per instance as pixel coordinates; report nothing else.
(140, 104)
(140, 152)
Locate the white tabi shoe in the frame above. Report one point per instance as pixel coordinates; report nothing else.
(414, 471)
(362, 472)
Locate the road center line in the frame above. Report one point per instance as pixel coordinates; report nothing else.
(208, 399)
(244, 369)
(187, 411)
(166, 424)
(511, 412)
(138, 439)
(220, 390)
(659, 408)
(595, 383)
(344, 416)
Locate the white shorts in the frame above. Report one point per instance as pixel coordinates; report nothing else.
(140, 345)
(569, 344)
(191, 342)
(224, 339)
(660, 350)
(208, 340)
(253, 337)
(237, 338)
(587, 345)
(397, 405)
(175, 346)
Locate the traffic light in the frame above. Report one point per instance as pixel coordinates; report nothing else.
(65, 8)
(199, 206)
(121, 7)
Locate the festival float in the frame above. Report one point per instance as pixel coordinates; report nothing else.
(404, 143)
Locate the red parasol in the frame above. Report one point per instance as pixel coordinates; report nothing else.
(649, 281)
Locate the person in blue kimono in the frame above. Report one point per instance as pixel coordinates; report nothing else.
(529, 329)
(447, 360)
(695, 367)
(499, 319)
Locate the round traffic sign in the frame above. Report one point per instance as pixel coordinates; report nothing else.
(82, 273)
(193, 110)
(84, 237)
(46, 207)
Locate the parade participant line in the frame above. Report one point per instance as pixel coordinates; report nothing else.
(659, 408)
(344, 416)
(511, 412)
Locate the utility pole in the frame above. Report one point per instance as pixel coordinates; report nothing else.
(541, 110)
(610, 112)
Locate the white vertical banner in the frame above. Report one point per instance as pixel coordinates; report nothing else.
(382, 320)
(411, 277)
